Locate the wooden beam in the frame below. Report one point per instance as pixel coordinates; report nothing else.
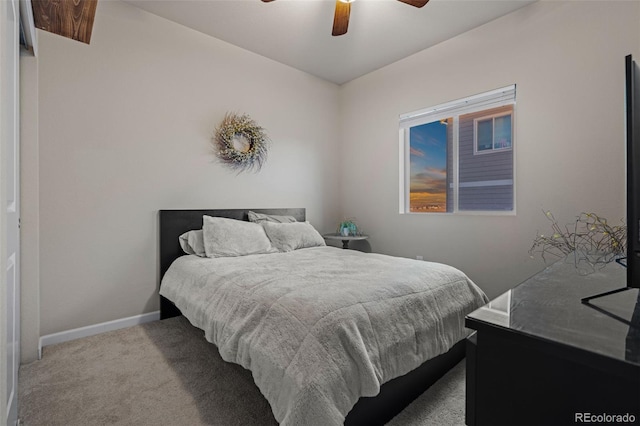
(68, 18)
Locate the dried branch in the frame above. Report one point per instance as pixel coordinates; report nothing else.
(592, 241)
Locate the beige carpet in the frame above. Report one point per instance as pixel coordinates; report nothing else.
(165, 373)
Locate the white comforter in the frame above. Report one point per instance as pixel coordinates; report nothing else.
(321, 327)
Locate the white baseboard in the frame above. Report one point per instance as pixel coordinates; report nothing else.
(90, 330)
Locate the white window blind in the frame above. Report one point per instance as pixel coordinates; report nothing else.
(494, 98)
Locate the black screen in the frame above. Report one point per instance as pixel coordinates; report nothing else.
(633, 171)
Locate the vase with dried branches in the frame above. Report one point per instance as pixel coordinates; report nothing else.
(591, 242)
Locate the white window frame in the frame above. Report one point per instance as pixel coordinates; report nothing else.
(484, 101)
(493, 125)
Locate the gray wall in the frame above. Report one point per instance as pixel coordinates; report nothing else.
(567, 59)
(30, 209)
(125, 130)
(125, 125)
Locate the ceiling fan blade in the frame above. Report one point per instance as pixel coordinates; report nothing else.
(416, 3)
(267, 1)
(341, 18)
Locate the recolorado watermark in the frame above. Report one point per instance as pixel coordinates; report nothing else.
(604, 418)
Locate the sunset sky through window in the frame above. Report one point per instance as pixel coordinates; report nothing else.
(428, 170)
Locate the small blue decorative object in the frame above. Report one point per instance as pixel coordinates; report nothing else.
(347, 228)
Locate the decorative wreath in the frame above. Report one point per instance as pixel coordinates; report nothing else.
(241, 128)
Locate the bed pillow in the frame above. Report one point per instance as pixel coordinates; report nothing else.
(192, 242)
(229, 237)
(261, 217)
(293, 236)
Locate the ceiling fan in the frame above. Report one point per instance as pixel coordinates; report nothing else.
(343, 9)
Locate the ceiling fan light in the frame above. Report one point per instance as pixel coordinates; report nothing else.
(346, 1)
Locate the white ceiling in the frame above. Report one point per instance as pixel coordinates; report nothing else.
(298, 32)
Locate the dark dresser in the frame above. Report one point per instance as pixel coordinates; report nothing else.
(541, 357)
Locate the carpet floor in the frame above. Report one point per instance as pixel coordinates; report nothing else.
(166, 373)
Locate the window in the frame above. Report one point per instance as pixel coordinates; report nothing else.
(492, 133)
(458, 156)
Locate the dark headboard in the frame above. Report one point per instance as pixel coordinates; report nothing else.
(174, 223)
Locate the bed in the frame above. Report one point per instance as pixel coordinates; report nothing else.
(363, 376)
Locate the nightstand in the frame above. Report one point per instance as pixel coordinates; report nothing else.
(345, 239)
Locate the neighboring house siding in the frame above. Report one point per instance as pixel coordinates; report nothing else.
(477, 171)
(486, 198)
